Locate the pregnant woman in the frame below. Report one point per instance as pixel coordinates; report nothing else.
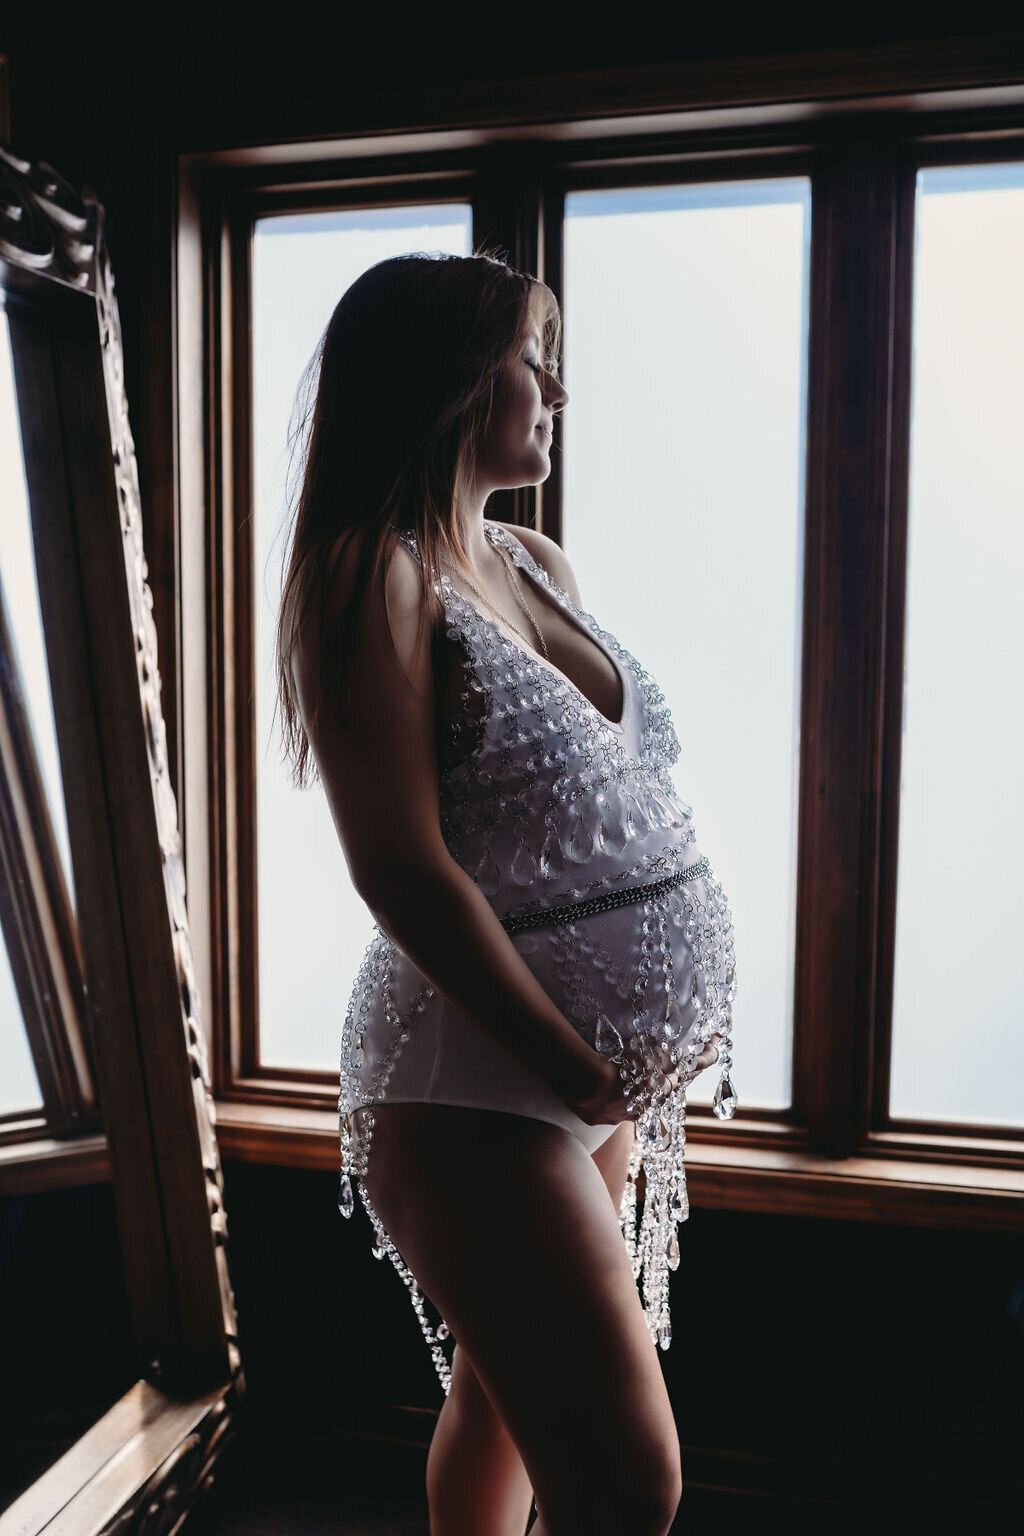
(552, 961)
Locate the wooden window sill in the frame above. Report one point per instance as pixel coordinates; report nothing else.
(150, 1453)
(53, 1162)
(777, 1180)
(783, 1181)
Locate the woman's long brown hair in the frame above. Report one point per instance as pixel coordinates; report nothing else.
(405, 377)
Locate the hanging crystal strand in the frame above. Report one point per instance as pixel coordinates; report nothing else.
(649, 1122)
(669, 1021)
(345, 1200)
(725, 1099)
(348, 1083)
(655, 1139)
(712, 956)
(628, 1207)
(660, 1139)
(432, 1336)
(657, 1282)
(356, 1163)
(665, 1227)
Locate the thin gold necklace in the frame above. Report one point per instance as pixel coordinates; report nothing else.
(518, 593)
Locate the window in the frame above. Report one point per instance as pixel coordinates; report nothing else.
(46, 1082)
(313, 926)
(958, 995)
(765, 467)
(683, 516)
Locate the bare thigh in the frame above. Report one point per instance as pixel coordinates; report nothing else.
(507, 1224)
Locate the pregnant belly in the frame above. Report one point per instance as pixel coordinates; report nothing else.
(663, 971)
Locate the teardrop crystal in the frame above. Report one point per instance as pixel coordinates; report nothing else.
(651, 809)
(613, 826)
(581, 844)
(488, 876)
(552, 860)
(656, 1135)
(665, 1335)
(607, 1039)
(660, 808)
(672, 1252)
(725, 1101)
(524, 865)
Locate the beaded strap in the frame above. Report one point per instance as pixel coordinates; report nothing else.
(568, 912)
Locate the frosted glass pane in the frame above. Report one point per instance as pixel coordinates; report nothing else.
(21, 599)
(958, 1000)
(19, 1086)
(685, 363)
(313, 926)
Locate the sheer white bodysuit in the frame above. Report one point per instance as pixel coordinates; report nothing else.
(546, 802)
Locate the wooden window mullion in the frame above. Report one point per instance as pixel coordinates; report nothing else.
(507, 209)
(240, 643)
(849, 488)
(552, 270)
(894, 598)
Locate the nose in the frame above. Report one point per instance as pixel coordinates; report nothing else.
(555, 393)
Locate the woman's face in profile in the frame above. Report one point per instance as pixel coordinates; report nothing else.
(517, 449)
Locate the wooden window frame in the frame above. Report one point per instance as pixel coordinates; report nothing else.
(860, 131)
(156, 1447)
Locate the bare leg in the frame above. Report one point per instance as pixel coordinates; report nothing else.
(476, 1480)
(519, 1246)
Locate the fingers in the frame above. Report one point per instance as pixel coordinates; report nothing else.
(712, 1045)
(662, 1078)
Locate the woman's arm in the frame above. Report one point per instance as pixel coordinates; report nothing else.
(379, 772)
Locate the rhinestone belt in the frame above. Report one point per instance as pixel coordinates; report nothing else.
(567, 912)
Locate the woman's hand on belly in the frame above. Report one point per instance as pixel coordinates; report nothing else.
(608, 1104)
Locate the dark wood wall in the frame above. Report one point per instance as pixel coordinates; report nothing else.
(850, 1355)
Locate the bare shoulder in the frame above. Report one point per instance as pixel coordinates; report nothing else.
(402, 571)
(403, 605)
(552, 558)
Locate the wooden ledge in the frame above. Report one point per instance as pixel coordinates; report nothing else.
(895, 1188)
(149, 1455)
(782, 1181)
(51, 1162)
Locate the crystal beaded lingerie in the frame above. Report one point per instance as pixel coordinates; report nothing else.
(572, 827)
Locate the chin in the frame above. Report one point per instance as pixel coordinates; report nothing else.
(523, 477)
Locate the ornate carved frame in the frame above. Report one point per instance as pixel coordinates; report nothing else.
(143, 1010)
